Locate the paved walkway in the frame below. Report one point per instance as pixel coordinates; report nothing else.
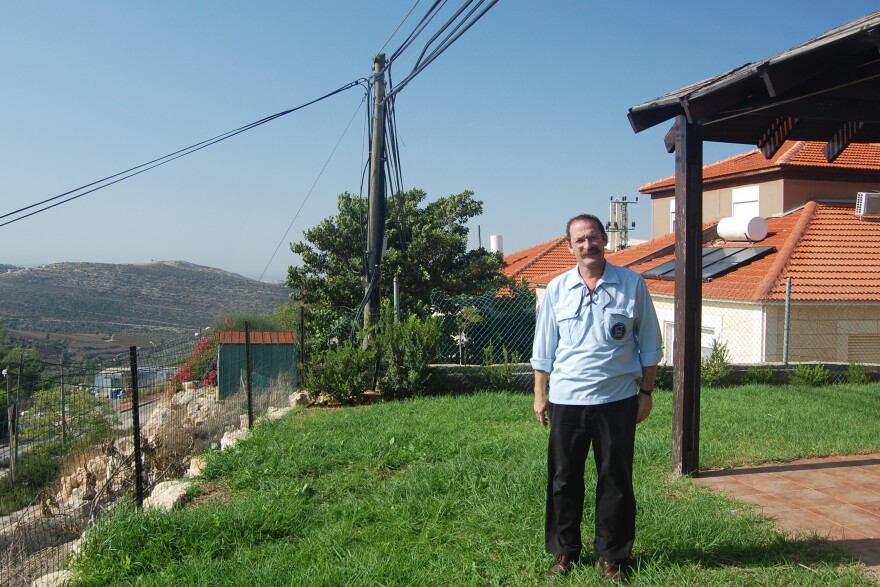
(837, 498)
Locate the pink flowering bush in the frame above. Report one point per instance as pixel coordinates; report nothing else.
(201, 364)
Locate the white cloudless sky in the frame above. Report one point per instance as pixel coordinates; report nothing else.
(527, 109)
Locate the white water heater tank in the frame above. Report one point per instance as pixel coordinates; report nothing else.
(742, 229)
(496, 244)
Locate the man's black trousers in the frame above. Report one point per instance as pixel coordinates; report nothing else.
(610, 428)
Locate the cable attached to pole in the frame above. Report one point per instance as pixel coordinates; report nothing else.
(137, 170)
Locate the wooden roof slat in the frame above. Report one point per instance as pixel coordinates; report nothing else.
(742, 105)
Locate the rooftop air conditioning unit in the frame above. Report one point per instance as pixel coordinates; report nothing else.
(868, 204)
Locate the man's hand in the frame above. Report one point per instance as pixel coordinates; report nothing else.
(645, 405)
(541, 403)
(541, 406)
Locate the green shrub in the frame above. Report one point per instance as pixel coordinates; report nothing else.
(405, 348)
(758, 376)
(499, 376)
(343, 372)
(715, 369)
(857, 374)
(663, 378)
(84, 417)
(35, 470)
(807, 376)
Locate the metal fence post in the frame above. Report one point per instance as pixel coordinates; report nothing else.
(396, 300)
(787, 322)
(302, 344)
(63, 409)
(10, 411)
(247, 360)
(13, 460)
(136, 425)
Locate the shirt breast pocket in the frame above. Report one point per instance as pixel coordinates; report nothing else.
(619, 323)
(570, 327)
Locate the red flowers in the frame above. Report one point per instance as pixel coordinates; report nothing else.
(201, 365)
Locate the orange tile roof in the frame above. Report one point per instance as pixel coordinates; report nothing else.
(793, 154)
(830, 254)
(257, 337)
(837, 258)
(532, 262)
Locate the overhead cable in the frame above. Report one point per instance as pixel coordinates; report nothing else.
(311, 189)
(447, 42)
(382, 48)
(137, 170)
(429, 16)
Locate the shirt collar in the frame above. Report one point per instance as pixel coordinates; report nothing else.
(572, 279)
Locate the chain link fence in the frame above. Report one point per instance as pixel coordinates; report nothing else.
(78, 442)
(761, 341)
(774, 339)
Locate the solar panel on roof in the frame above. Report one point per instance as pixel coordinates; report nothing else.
(716, 261)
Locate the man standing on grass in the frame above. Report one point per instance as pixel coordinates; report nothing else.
(598, 343)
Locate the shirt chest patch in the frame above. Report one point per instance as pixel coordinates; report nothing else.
(618, 331)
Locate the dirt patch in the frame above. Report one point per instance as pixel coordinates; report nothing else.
(208, 493)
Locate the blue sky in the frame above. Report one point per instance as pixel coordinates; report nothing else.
(528, 110)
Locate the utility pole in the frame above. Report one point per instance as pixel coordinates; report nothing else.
(376, 226)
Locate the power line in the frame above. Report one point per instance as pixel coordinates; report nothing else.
(382, 48)
(429, 16)
(137, 170)
(306, 199)
(457, 31)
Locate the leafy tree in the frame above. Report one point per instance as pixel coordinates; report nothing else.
(236, 321)
(88, 419)
(427, 249)
(10, 359)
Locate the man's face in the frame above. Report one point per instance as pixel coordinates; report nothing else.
(587, 243)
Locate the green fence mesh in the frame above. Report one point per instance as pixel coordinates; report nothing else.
(481, 329)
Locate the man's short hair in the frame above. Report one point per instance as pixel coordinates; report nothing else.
(584, 218)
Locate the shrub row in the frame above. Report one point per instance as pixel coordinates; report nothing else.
(717, 371)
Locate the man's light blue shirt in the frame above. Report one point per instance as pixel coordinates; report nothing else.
(594, 344)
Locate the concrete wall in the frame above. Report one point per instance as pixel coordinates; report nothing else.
(800, 191)
(718, 203)
(754, 332)
(740, 326)
(775, 197)
(825, 331)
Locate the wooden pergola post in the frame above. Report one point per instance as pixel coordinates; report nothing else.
(827, 89)
(688, 146)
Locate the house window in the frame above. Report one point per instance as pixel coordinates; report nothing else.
(672, 215)
(745, 202)
(707, 337)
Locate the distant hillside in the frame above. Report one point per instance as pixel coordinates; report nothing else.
(160, 300)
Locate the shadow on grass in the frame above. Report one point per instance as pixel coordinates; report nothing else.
(806, 551)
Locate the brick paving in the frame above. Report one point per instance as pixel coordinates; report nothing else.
(837, 498)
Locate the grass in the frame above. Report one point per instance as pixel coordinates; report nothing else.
(450, 491)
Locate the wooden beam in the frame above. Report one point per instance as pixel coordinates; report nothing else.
(832, 108)
(841, 139)
(688, 293)
(776, 135)
(670, 138)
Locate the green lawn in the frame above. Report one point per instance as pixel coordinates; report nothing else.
(450, 491)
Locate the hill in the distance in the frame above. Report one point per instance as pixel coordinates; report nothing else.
(158, 300)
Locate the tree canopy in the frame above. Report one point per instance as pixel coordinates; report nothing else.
(11, 358)
(427, 249)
